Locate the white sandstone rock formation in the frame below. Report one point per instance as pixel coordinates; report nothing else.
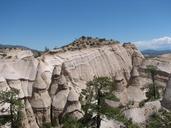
(166, 102)
(50, 85)
(140, 115)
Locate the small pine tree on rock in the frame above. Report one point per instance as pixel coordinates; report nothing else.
(11, 97)
(99, 89)
(153, 92)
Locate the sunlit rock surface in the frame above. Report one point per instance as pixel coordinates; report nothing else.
(166, 102)
(50, 85)
(140, 115)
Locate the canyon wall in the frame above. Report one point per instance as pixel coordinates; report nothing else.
(50, 85)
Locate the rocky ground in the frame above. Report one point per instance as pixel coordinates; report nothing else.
(50, 85)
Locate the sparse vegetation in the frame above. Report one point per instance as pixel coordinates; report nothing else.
(87, 42)
(46, 49)
(117, 114)
(94, 107)
(101, 40)
(47, 125)
(142, 103)
(4, 54)
(153, 91)
(99, 89)
(152, 70)
(15, 116)
(69, 122)
(161, 119)
(83, 37)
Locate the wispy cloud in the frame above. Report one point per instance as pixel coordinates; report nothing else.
(156, 44)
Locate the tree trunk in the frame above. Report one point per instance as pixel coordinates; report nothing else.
(154, 86)
(11, 118)
(98, 119)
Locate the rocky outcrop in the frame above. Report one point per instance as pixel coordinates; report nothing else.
(163, 69)
(141, 115)
(50, 85)
(166, 102)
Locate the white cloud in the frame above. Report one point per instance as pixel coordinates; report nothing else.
(156, 44)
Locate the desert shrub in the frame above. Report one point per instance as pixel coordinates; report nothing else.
(112, 97)
(69, 122)
(83, 37)
(116, 42)
(47, 125)
(162, 119)
(101, 40)
(4, 119)
(89, 38)
(152, 93)
(9, 57)
(46, 49)
(4, 54)
(118, 115)
(142, 103)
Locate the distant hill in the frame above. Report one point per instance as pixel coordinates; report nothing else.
(35, 52)
(150, 52)
(13, 46)
(17, 46)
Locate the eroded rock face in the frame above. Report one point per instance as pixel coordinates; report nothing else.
(140, 115)
(111, 124)
(166, 102)
(163, 65)
(51, 84)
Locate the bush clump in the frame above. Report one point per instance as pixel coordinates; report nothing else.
(162, 119)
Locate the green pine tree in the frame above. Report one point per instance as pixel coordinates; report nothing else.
(94, 106)
(153, 92)
(99, 89)
(11, 97)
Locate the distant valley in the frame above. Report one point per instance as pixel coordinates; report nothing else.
(151, 52)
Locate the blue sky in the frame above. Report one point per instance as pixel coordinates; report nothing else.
(40, 23)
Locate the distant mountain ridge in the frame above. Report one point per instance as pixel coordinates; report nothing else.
(35, 52)
(151, 52)
(3, 46)
(13, 46)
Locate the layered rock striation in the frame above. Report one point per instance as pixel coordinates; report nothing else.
(50, 85)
